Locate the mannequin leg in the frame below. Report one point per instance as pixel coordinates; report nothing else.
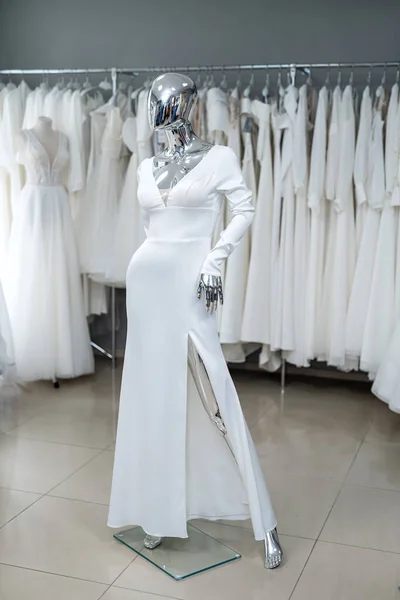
(273, 550)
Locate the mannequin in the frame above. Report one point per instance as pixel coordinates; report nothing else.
(46, 135)
(183, 448)
(169, 111)
(183, 151)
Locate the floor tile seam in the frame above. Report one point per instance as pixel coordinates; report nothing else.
(302, 570)
(378, 441)
(370, 487)
(291, 535)
(9, 489)
(359, 547)
(22, 511)
(120, 587)
(73, 473)
(22, 437)
(50, 495)
(54, 573)
(340, 489)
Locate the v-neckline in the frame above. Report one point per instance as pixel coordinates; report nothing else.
(51, 163)
(165, 205)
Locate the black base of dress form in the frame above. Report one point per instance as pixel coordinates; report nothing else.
(180, 558)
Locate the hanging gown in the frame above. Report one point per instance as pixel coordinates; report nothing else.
(283, 332)
(361, 162)
(332, 168)
(344, 241)
(13, 114)
(127, 238)
(381, 313)
(5, 200)
(318, 226)
(298, 356)
(42, 285)
(370, 189)
(235, 282)
(256, 318)
(100, 209)
(185, 455)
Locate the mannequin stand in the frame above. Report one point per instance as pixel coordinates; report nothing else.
(180, 558)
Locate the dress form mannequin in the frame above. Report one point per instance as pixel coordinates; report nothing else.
(46, 135)
(171, 98)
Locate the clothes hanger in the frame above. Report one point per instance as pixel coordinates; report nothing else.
(247, 91)
(339, 77)
(351, 77)
(265, 90)
(223, 83)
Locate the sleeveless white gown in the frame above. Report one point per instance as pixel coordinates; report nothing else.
(171, 463)
(42, 285)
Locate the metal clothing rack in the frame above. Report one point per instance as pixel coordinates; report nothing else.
(292, 68)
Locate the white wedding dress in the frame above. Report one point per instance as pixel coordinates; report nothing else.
(171, 462)
(42, 284)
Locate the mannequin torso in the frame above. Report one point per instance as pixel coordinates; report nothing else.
(47, 137)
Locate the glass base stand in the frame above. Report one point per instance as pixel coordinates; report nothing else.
(180, 558)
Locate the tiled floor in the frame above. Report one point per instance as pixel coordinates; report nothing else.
(331, 455)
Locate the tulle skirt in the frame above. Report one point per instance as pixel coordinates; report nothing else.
(43, 288)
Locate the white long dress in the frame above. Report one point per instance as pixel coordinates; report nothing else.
(99, 211)
(185, 456)
(324, 307)
(42, 285)
(283, 337)
(381, 313)
(298, 356)
(128, 237)
(318, 225)
(256, 325)
(345, 243)
(370, 189)
(237, 266)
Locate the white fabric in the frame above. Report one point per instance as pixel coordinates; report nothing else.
(99, 210)
(318, 228)
(387, 382)
(163, 311)
(371, 187)
(42, 286)
(7, 358)
(301, 231)
(128, 237)
(283, 319)
(237, 265)
(256, 318)
(344, 239)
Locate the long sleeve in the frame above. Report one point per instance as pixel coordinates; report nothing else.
(318, 153)
(363, 147)
(230, 183)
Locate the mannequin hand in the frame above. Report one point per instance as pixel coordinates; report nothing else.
(211, 285)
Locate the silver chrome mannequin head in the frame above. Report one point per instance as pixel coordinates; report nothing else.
(171, 99)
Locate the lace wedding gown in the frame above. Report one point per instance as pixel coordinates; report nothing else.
(171, 463)
(42, 284)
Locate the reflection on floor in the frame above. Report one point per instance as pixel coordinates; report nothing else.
(331, 454)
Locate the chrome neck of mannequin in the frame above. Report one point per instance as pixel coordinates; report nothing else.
(180, 138)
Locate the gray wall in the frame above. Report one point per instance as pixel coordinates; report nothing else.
(99, 33)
